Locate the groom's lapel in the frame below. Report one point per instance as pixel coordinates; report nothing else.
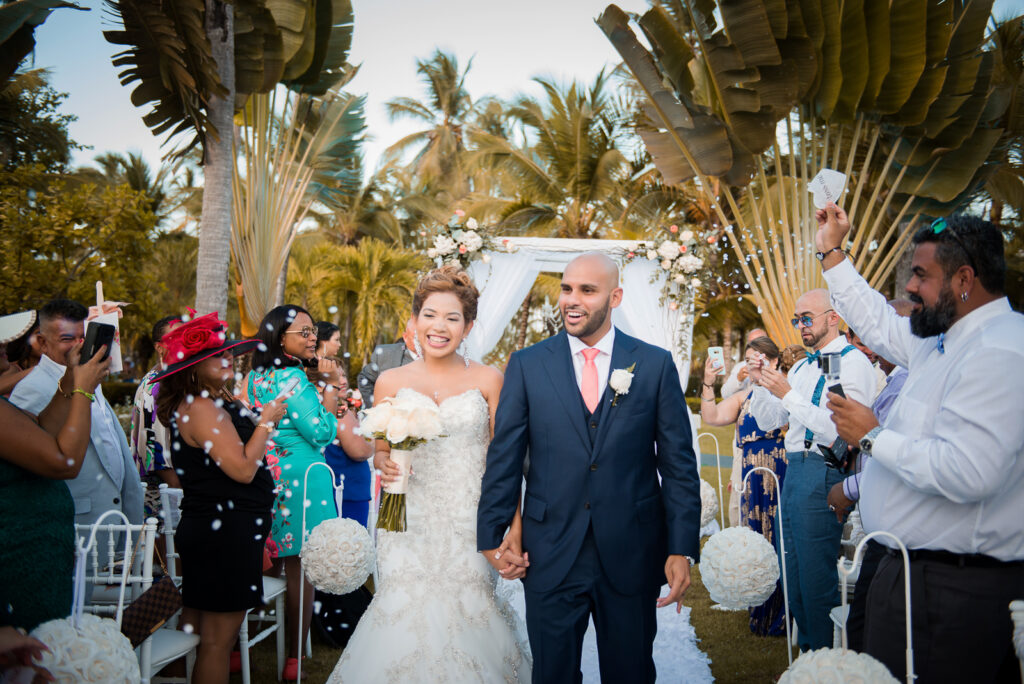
(623, 356)
(563, 378)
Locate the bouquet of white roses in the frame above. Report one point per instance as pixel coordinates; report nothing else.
(405, 422)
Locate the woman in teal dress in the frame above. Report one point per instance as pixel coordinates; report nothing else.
(760, 500)
(37, 514)
(288, 338)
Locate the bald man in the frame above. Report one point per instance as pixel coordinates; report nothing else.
(601, 530)
(812, 531)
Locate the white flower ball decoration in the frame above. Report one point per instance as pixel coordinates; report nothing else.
(836, 666)
(338, 556)
(94, 652)
(708, 503)
(739, 568)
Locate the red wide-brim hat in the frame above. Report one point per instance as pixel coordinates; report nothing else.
(197, 340)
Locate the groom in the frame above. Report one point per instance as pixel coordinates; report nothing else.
(601, 531)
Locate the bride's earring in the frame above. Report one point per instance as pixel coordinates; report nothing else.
(464, 350)
(416, 344)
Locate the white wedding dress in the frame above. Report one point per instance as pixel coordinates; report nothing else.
(437, 615)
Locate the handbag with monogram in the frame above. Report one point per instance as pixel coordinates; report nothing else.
(152, 608)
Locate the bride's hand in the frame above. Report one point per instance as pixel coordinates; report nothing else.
(389, 470)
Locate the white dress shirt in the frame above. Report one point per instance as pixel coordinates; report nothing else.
(947, 472)
(733, 384)
(603, 360)
(856, 375)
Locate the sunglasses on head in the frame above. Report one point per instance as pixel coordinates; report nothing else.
(940, 226)
(807, 320)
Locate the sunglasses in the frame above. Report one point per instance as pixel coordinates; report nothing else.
(940, 226)
(305, 332)
(807, 320)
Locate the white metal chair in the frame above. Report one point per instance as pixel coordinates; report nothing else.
(134, 577)
(273, 588)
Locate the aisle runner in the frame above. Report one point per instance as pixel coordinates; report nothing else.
(676, 655)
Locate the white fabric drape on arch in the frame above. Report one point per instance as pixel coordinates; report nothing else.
(641, 313)
(504, 283)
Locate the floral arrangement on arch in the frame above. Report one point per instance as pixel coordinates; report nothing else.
(461, 241)
(684, 255)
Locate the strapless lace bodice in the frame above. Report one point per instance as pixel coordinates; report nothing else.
(436, 616)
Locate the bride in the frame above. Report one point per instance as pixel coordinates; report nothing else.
(436, 616)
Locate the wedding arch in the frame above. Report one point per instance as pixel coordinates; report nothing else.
(505, 278)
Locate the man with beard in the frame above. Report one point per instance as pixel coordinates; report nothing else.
(812, 532)
(945, 473)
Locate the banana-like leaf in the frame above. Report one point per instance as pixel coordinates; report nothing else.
(332, 41)
(853, 59)
(830, 67)
(259, 50)
(908, 21)
(876, 26)
(169, 55)
(950, 174)
(18, 22)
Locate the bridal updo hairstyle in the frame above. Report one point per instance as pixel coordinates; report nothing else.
(452, 279)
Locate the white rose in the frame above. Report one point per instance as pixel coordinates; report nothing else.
(666, 264)
(424, 423)
(668, 249)
(686, 235)
(651, 255)
(620, 380)
(431, 253)
(695, 282)
(444, 245)
(690, 263)
(398, 428)
(471, 223)
(472, 240)
(679, 278)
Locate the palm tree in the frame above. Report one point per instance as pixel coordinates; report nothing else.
(570, 182)
(371, 284)
(131, 170)
(440, 147)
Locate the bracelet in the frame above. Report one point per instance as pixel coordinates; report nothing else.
(703, 398)
(712, 385)
(77, 390)
(268, 426)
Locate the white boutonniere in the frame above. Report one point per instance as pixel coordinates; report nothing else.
(620, 381)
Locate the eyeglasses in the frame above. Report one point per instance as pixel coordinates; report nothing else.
(940, 226)
(807, 320)
(305, 332)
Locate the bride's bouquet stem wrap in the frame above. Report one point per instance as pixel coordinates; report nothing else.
(392, 501)
(405, 422)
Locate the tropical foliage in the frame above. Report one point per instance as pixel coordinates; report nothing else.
(750, 99)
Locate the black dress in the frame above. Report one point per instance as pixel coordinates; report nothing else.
(224, 525)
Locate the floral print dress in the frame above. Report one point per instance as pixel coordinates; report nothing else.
(297, 443)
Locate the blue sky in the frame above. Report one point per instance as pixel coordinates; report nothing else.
(509, 43)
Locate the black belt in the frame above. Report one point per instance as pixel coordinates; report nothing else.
(963, 560)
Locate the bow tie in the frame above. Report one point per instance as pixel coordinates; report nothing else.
(813, 357)
(941, 344)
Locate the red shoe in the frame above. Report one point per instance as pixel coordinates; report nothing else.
(236, 662)
(291, 670)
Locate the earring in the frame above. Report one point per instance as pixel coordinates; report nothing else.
(416, 344)
(464, 350)
(963, 297)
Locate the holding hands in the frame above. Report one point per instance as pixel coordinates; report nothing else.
(509, 559)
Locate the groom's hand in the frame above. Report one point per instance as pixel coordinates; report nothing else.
(509, 559)
(677, 572)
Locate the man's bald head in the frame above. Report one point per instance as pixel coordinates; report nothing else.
(754, 334)
(813, 301)
(596, 265)
(824, 322)
(590, 290)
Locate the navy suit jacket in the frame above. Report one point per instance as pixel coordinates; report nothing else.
(612, 485)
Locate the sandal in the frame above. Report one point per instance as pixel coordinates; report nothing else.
(290, 673)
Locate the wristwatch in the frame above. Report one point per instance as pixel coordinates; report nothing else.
(692, 561)
(821, 255)
(868, 440)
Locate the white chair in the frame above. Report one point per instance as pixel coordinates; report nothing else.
(273, 588)
(136, 576)
(1017, 614)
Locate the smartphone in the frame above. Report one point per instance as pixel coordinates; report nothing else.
(97, 335)
(289, 386)
(837, 389)
(718, 354)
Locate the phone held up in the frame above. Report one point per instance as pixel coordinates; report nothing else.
(718, 354)
(97, 335)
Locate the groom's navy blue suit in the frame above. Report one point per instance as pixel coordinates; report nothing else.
(597, 523)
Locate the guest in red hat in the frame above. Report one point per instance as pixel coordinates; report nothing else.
(217, 449)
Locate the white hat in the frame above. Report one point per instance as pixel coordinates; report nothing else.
(13, 326)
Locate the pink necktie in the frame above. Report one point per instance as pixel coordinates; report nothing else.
(589, 383)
